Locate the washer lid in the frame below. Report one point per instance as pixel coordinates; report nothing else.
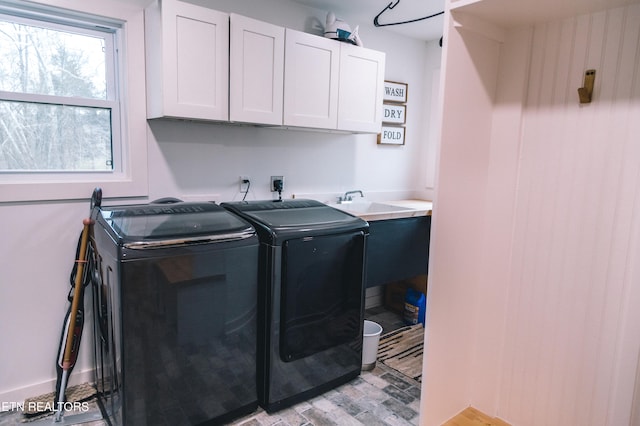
(287, 218)
(301, 217)
(178, 220)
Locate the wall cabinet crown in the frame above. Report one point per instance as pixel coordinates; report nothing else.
(208, 65)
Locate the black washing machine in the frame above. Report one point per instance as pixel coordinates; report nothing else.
(175, 311)
(311, 297)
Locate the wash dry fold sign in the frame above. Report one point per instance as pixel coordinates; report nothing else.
(394, 113)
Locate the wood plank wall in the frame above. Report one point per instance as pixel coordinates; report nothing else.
(570, 353)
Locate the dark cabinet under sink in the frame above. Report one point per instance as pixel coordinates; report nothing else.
(397, 249)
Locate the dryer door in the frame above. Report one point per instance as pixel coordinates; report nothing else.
(322, 293)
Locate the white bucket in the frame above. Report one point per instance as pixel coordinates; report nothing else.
(370, 339)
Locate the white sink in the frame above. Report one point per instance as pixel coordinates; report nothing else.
(369, 207)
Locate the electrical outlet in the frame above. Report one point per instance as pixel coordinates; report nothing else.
(244, 183)
(273, 183)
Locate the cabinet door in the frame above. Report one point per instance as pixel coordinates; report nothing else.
(257, 66)
(361, 89)
(311, 80)
(187, 61)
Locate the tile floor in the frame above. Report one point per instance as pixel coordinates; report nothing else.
(381, 396)
(387, 319)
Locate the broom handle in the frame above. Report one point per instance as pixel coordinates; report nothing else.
(66, 360)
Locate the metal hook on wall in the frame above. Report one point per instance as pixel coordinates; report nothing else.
(586, 91)
(393, 5)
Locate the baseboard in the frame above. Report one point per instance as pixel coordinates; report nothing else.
(11, 397)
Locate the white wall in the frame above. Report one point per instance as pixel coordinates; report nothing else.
(541, 327)
(197, 160)
(571, 343)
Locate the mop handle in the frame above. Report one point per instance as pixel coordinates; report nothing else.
(66, 360)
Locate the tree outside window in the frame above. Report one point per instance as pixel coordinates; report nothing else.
(57, 97)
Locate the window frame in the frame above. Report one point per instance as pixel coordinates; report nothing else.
(129, 129)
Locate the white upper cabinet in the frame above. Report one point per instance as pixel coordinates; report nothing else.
(203, 64)
(311, 70)
(332, 85)
(187, 50)
(257, 69)
(361, 89)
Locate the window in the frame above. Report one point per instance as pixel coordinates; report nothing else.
(62, 101)
(57, 102)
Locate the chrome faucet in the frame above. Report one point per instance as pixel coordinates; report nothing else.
(347, 198)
